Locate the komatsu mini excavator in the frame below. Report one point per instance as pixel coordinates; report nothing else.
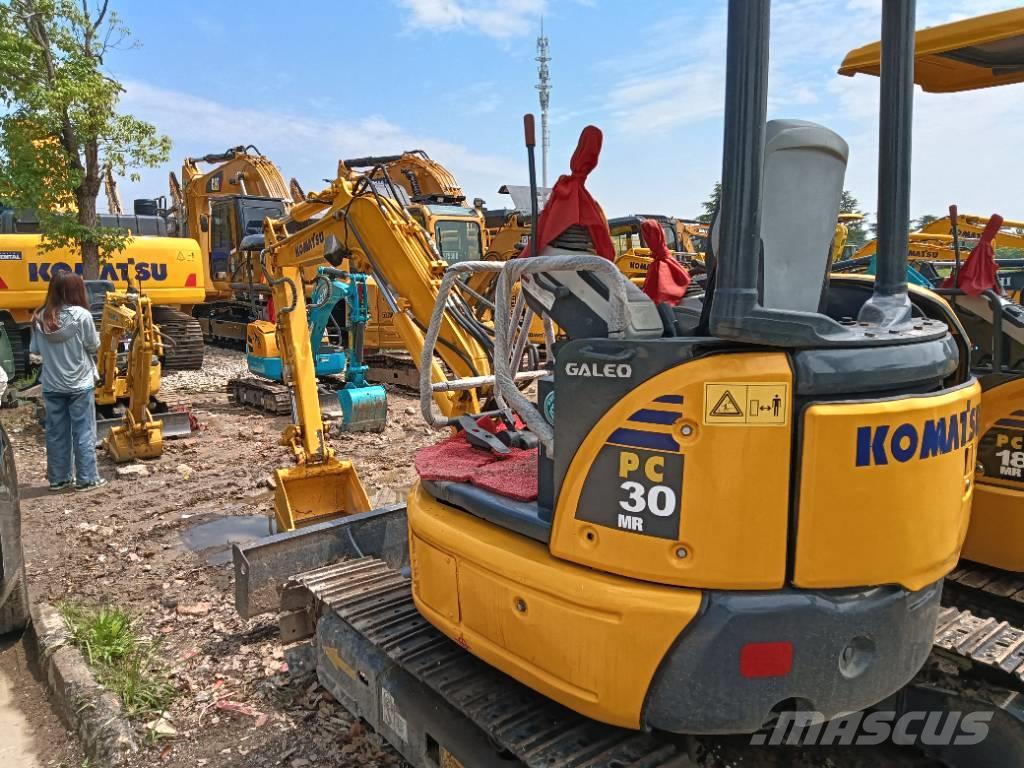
(363, 406)
(135, 376)
(983, 627)
(721, 521)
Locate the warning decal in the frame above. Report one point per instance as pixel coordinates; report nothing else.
(741, 405)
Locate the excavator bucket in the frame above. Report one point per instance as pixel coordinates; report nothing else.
(125, 443)
(315, 493)
(363, 409)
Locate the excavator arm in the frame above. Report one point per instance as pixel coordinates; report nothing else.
(350, 221)
(118, 319)
(424, 180)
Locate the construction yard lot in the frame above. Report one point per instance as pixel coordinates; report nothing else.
(155, 542)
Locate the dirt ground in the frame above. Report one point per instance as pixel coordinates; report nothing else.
(126, 544)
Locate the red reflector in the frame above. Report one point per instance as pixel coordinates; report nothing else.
(3, 285)
(190, 281)
(766, 659)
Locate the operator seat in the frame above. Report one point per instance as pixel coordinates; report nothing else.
(579, 302)
(802, 186)
(802, 183)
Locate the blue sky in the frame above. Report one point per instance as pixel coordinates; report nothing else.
(312, 82)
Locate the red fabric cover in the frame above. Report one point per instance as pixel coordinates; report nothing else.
(514, 477)
(570, 203)
(978, 273)
(666, 278)
(452, 459)
(455, 460)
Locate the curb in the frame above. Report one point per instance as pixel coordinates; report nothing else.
(90, 710)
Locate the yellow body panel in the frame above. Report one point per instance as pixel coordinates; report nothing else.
(996, 534)
(589, 640)
(743, 473)
(167, 269)
(884, 497)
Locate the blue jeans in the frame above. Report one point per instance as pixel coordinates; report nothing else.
(71, 431)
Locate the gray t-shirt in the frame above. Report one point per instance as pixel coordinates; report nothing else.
(69, 353)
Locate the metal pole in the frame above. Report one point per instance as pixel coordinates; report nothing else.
(895, 117)
(531, 144)
(954, 230)
(746, 100)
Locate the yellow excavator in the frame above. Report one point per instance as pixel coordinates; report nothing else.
(218, 207)
(672, 557)
(434, 199)
(130, 381)
(351, 224)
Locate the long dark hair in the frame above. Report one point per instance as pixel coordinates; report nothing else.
(66, 290)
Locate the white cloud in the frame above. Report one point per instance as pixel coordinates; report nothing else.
(493, 18)
(301, 146)
(667, 97)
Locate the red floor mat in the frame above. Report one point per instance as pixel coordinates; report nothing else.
(455, 460)
(514, 476)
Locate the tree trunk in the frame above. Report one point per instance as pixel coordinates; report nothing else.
(90, 251)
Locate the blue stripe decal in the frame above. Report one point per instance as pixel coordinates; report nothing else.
(1010, 423)
(636, 438)
(1018, 413)
(650, 416)
(677, 399)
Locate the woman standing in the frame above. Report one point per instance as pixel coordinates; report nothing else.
(64, 335)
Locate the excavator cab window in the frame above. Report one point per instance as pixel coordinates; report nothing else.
(458, 240)
(625, 240)
(220, 237)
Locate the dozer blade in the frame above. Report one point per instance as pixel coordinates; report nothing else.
(103, 427)
(364, 409)
(315, 493)
(176, 423)
(329, 405)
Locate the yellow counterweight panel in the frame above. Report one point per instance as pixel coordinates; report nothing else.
(380, 334)
(261, 339)
(167, 269)
(885, 489)
(996, 533)
(586, 639)
(733, 490)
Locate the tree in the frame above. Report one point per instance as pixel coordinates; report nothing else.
(711, 204)
(856, 230)
(61, 132)
(920, 223)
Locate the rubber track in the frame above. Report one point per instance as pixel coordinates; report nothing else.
(983, 624)
(377, 602)
(268, 396)
(186, 352)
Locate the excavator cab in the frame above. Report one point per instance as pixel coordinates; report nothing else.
(727, 513)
